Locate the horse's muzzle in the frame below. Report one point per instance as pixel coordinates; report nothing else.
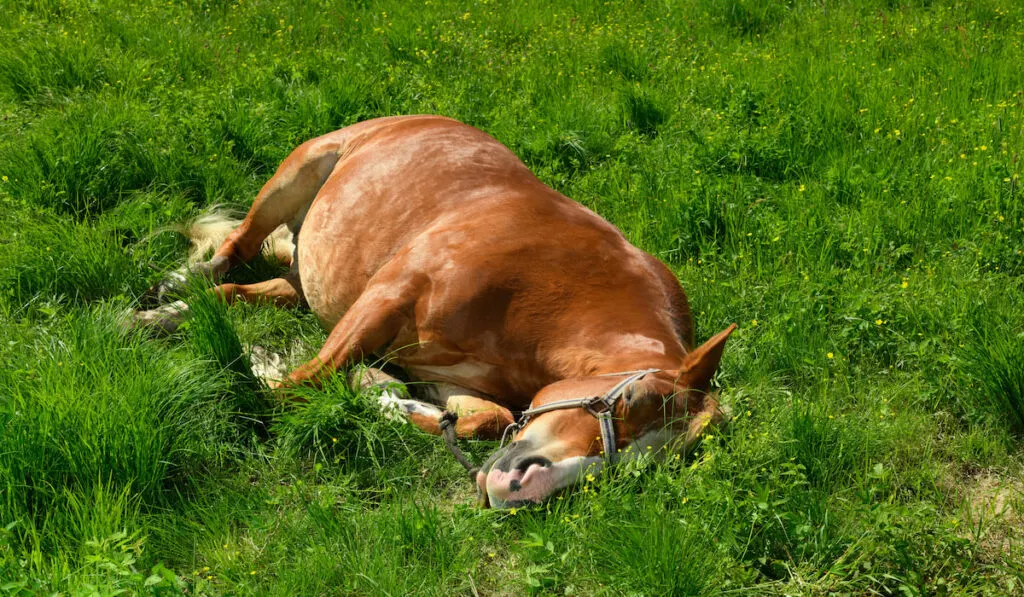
(516, 476)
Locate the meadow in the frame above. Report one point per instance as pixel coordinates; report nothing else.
(841, 179)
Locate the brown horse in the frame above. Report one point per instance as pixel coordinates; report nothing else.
(425, 241)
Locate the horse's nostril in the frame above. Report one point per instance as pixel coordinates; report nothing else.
(526, 463)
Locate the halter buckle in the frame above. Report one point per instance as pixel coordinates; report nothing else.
(597, 405)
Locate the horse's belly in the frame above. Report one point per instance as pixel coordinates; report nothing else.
(327, 266)
(468, 373)
(328, 311)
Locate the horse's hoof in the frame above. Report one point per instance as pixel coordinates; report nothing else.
(161, 292)
(163, 320)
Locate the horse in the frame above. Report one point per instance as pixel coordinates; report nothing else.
(426, 241)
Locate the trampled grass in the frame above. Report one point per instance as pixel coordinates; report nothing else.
(842, 179)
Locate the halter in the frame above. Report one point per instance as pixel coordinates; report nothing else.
(601, 407)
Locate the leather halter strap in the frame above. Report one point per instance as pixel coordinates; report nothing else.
(601, 407)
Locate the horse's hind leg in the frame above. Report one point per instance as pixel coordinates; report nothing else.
(282, 292)
(283, 200)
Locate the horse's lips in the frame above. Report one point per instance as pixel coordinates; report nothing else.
(532, 486)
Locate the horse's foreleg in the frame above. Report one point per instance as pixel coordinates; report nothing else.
(478, 418)
(360, 333)
(280, 292)
(371, 324)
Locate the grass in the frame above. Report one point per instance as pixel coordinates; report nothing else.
(841, 179)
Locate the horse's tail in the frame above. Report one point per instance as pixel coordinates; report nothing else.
(209, 231)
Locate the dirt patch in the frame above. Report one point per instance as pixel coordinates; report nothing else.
(996, 497)
(994, 513)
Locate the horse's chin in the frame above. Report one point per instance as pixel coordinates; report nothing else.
(532, 486)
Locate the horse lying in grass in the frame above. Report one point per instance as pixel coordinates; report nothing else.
(425, 240)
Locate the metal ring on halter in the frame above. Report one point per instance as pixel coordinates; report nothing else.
(514, 429)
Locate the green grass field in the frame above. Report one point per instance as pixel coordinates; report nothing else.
(841, 179)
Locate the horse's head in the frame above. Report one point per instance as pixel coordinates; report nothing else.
(582, 424)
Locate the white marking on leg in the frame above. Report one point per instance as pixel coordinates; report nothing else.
(173, 284)
(394, 407)
(177, 308)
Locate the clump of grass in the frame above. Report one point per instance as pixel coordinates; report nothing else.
(678, 553)
(211, 333)
(995, 363)
(52, 68)
(212, 337)
(748, 17)
(57, 262)
(418, 538)
(345, 427)
(828, 448)
(641, 112)
(96, 412)
(102, 154)
(624, 60)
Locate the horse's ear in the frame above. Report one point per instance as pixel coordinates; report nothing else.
(700, 365)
